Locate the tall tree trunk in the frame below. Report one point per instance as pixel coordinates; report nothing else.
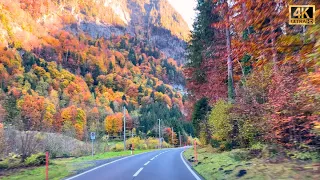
(274, 54)
(229, 60)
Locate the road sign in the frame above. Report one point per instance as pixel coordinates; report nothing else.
(93, 135)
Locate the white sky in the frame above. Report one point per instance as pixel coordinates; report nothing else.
(186, 9)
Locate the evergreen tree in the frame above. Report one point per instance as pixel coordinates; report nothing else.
(110, 66)
(10, 106)
(132, 57)
(123, 44)
(202, 35)
(199, 114)
(124, 98)
(140, 89)
(152, 95)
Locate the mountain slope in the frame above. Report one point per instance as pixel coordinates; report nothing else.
(60, 73)
(153, 20)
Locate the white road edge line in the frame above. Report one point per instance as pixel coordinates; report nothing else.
(192, 172)
(103, 166)
(137, 173)
(147, 163)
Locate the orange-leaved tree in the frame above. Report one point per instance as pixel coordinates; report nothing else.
(113, 123)
(76, 117)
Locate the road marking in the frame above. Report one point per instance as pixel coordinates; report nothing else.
(147, 163)
(152, 158)
(137, 173)
(192, 172)
(73, 177)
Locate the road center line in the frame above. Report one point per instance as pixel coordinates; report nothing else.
(103, 165)
(137, 173)
(147, 163)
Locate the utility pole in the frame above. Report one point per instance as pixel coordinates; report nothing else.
(180, 138)
(172, 136)
(124, 128)
(132, 145)
(159, 134)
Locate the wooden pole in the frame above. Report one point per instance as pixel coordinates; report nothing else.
(47, 165)
(195, 151)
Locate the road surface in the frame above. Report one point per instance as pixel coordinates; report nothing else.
(166, 164)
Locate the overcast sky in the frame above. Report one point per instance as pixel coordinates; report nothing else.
(186, 9)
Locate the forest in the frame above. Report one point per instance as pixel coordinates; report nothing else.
(251, 97)
(254, 89)
(256, 81)
(70, 83)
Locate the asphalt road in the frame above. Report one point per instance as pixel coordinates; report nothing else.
(166, 164)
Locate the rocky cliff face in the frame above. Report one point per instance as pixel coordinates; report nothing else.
(152, 20)
(155, 21)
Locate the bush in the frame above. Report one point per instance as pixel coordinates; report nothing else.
(304, 156)
(36, 160)
(142, 146)
(215, 143)
(270, 151)
(152, 143)
(257, 146)
(240, 155)
(226, 146)
(220, 120)
(165, 145)
(119, 147)
(13, 161)
(4, 164)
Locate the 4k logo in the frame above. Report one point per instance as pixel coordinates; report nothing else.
(302, 14)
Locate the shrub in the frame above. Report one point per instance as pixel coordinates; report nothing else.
(219, 120)
(4, 164)
(12, 161)
(257, 146)
(36, 160)
(240, 155)
(165, 145)
(304, 155)
(226, 146)
(270, 151)
(119, 147)
(152, 143)
(142, 146)
(256, 149)
(215, 142)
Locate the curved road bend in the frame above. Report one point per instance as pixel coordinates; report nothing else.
(167, 164)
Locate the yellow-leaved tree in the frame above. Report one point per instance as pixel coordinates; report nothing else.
(113, 123)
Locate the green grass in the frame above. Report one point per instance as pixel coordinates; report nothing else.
(226, 165)
(61, 168)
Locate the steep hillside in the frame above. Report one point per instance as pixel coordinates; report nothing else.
(152, 20)
(66, 66)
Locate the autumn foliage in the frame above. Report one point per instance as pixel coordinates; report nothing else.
(113, 123)
(275, 73)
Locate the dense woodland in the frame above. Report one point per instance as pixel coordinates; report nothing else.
(252, 77)
(59, 81)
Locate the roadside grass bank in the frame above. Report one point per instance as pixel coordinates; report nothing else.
(242, 164)
(65, 167)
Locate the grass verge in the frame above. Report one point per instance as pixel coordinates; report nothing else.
(61, 168)
(228, 165)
